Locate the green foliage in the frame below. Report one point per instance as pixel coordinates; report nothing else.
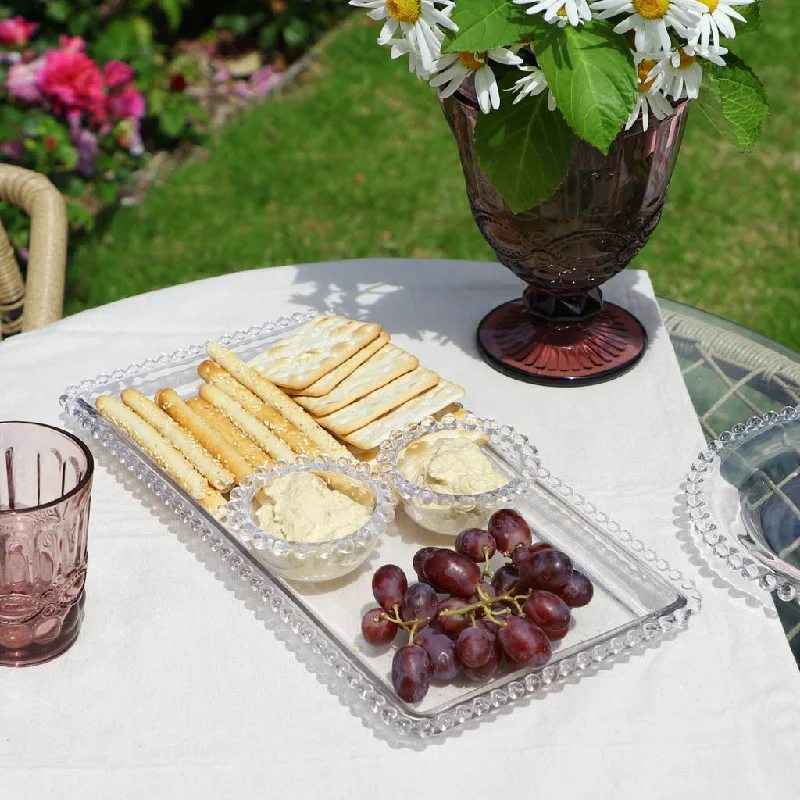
(734, 100)
(484, 24)
(591, 74)
(752, 14)
(525, 149)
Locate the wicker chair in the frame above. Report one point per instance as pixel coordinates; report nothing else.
(24, 308)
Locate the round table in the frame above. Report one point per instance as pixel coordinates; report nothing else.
(174, 690)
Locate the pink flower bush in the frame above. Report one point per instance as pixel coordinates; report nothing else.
(72, 82)
(23, 81)
(117, 74)
(127, 104)
(16, 32)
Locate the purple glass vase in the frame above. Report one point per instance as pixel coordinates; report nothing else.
(560, 331)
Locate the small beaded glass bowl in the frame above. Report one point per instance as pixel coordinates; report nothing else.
(311, 561)
(509, 452)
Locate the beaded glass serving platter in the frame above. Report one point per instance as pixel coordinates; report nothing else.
(638, 598)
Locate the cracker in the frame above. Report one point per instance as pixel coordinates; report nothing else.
(280, 426)
(232, 435)
(219, 477)
(388, 363)
(363, 411)
(163, 453)
(170, 401)
(313, 350)
(253, 427)
(279, 400)
(327, 383)
(414, 410)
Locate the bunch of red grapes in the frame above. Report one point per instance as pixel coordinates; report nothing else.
(482, 616)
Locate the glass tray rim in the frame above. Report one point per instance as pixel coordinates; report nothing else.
(308, 635)
(706, 531)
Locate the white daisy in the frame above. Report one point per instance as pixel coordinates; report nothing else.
(453, 69)
(534, 83)
(717, 18)
(650, 20)
(678, 74)
(576, 12)
(419, 21)
(402, 47)
(651, 99)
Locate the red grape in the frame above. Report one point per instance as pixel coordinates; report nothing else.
(547, 610)
(556, 634)
(549, 569)
(486, 670)
(389, 585)
(411, 673)
(578, 591)
(524, 642)
(490, 626)
(521, 554)
(377, 631)
(419, 603)
(509, 530)
(505, 579)
(474, 646)
(420, 559)
(476, 545)
(452, 625)
(441, 651)
(452, 573)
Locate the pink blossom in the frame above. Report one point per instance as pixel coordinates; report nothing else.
(72, 44)
(127, 104)
(16, 32)
(117, 74)
(72, 82)
(23, 81)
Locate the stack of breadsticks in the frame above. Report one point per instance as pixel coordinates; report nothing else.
(350, 388)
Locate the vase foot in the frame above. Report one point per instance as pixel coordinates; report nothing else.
(576, 353)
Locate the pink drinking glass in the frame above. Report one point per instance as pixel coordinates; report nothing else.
(45, 490)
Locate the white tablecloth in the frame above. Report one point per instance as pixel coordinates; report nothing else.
(175, 690)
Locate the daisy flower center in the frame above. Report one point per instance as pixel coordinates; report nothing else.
(472, 61)
(711, 4)
(686, 60)
(653, 9)
(408, 11)
(645, 67)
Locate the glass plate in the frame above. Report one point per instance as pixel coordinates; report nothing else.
(638, 598)
(743, 495)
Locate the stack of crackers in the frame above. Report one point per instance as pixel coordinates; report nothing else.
(353, 381)
(334, 386)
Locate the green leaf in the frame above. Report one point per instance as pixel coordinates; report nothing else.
(524, 149)
(296, 32)
(268, 36)
(752, 14)
(58, 10)
(106, 192)
(172, 11)
(591, 74)
(484, 24)
(734, 101)
(172, 120)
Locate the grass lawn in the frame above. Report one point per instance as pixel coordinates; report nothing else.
(357, 160)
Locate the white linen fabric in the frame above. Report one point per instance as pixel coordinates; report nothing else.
(175, 690)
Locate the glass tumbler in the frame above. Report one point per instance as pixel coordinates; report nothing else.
(45, 487)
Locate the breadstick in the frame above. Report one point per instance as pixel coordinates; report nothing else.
(255, 429)
(163, 453)
(273, 396)
(243, 445)
(170, 401)
(219, 477)
(214, 374)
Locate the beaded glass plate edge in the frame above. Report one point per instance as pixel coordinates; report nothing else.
(705, 530)
(308, 636)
